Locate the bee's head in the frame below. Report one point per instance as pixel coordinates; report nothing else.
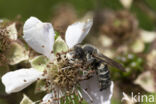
(78, 52)
(88, 49)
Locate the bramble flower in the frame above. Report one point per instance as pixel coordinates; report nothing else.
(41, 37)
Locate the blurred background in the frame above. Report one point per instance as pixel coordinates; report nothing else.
(124, 30)
(45, 9)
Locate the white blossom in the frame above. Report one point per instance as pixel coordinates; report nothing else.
(40, 37)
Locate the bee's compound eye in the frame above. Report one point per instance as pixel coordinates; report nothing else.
(79, 53)
(89, 49)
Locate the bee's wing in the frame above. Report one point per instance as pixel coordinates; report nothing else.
(109, 61)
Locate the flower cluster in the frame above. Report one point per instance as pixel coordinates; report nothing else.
(41, 38)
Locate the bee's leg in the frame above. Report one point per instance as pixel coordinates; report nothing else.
(84, 78)
(103, 76)
(87, 75)
(90, 61)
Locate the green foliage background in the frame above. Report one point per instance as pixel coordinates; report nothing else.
(44, 9)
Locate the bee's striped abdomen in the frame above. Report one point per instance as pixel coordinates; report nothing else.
(104, 76)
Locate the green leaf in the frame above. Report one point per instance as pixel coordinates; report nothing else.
(2, 89)
(39, 62)
(60, 46)
(115, 101)
(26, 100)
(57, 35)
(3, 69)
(3, 101)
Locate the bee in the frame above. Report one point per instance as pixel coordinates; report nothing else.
(93, 61)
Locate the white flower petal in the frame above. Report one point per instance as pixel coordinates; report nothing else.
(46, 98)
(148, 36)
(39, 36)
(146, 81)
(138, 46)
(77, 32)
(1, 20)
(105, 40)
(126, 3)
(99, 97)
(151, 58)
(18, 80)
